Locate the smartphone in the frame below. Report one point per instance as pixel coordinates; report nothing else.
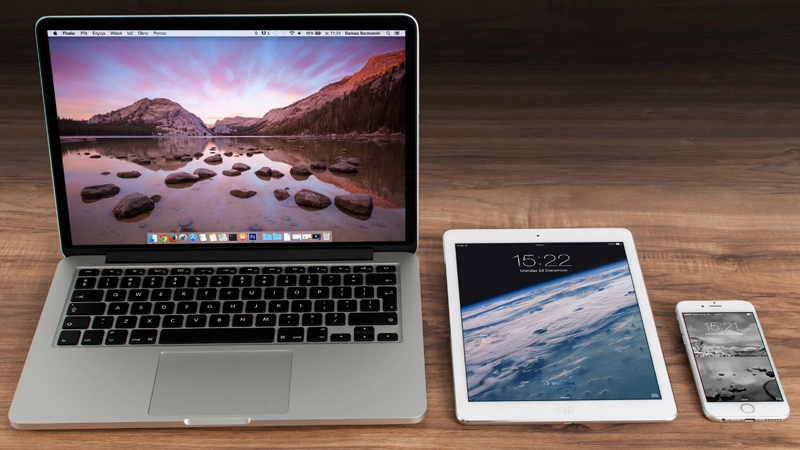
(732, 367)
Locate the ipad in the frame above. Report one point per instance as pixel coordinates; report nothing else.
(552, 326)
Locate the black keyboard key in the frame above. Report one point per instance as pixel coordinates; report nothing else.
(251, 294)
(220, 281)
(364, 334)
(347, 305)
(342, 292)
(301, 306)
(181, 271)
(279, 306)
(126, 322)
(296, 292)
(217, 336)
(153, 282)
(116, 295)
(323, 305)
(130, 282)
(76, 323)
(317, 334)
(149, 321)
(387, 336)
(219, 320)
(331, 280)
(389, 296)
(265, 320)
(290, 334)
(317, 269)
(86, 309)
(85, 283)
(161, 272)
(141, 308)
(243, 280)
(69, 337)
(296, 269)
(184, 295)
(318, 292)
(287, 280)
(203, 271)
(353, 279)
(117, 309)
(175, 281)
(335, 319)
(195, 321)
(116, 337)
(340, 337)
(108, 282)
(340, 269)
(272, 270)
(378, 318)
(138, 295)
(207, 294)
(161, 295)
(86, 296)
(258, 306)
(209, 307)
(232, 307)
(249, 270)
(198, 281)
(309, 280)
(187, 307)
(112, 272)
(102, 322)
(229, 294)
(226, 271)
(88, 272)
(273, 293)
(134, 272)
(384, 269)
(243, 320)
(289, 320)
(312, 319)
(365, 292)
(370, 305)
(143, 337)
(264, 280)
(164, 308)
(381, 278)
(362, 269)
(172, 322)
(92, 337)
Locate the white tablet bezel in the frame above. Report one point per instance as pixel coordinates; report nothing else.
(562, 411)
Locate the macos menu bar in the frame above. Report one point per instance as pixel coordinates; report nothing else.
(225, 33)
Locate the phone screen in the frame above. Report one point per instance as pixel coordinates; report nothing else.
(731, 357)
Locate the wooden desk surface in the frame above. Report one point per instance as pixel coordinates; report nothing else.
(677, 120)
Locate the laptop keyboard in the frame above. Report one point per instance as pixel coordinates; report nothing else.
(231, 305)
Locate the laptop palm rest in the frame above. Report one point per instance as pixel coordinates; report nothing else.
(194, 384)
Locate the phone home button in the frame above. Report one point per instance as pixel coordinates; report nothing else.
(567, 411)
(747, 408)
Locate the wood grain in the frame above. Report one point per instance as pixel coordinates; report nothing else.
(675, 119)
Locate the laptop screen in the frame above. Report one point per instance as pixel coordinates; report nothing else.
(208, 137)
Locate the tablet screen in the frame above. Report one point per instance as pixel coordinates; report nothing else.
(553, 321)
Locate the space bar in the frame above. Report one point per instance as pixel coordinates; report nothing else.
(217, 336)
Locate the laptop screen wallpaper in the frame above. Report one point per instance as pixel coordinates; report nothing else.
(218, 138)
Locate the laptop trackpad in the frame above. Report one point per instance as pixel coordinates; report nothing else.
(215, 383)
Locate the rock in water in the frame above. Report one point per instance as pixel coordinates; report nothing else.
(95, 156)
(231, 173)
(205, 173)
(226, 154)
(343, 167)
(318, 165)
(99, 191)
(354, 161)
(131, 174)
(213, 159)
(131, 205)
(264, 172)
(243, 193)
(181, 177)
(104, 173)
(311, 199)
(155, 198)
(281, 194)
(277, 174)
(241, 167)
(360, 204)
(301, 170)
(198, 154)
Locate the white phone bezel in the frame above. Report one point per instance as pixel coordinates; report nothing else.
(563, 411)
(729, 411)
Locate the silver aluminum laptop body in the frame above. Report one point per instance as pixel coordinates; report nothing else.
(94, 383)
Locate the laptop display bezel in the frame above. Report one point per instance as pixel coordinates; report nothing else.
(310, 22)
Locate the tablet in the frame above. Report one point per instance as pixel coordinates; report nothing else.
(552, 326)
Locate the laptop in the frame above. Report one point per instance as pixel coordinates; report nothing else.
(237, 206)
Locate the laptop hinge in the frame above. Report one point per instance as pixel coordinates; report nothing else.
(224, 256)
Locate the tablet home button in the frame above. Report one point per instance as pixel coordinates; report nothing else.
(748, 408)
(567, 411)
